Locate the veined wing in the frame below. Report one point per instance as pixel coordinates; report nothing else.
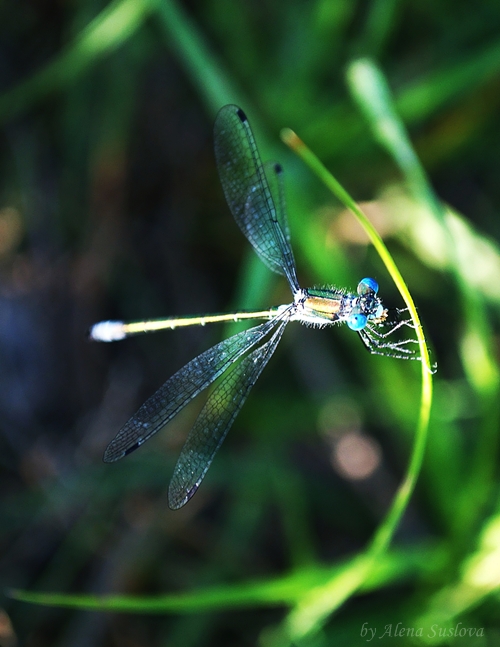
(247, 192)
(274, 176)
(215, 420)
(181, 388)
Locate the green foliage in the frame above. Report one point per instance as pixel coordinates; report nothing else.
(110, 207)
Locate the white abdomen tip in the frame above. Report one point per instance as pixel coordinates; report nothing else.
(107, 331)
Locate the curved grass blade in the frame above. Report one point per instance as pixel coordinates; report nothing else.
(311, 613)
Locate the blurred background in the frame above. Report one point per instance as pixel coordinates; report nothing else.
(110, 207)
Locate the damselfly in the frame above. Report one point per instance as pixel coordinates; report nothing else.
(254, 193)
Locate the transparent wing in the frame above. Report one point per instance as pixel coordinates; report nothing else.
(247, 192)
(215, 420)
(181, 388)
(274, 176)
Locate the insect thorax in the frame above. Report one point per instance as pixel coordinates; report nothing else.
(324, 306)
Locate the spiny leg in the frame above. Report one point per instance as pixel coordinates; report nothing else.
(394, 326)
(373, 341)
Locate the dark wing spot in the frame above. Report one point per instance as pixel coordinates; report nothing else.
(241, 115)
(132, 449)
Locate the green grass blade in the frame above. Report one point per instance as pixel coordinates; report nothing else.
(477, 349)
(207, 73)
(117, 22)
(311, 613)
(285, 590)
(297, 145)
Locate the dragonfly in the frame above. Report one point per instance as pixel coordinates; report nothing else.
(255, 195)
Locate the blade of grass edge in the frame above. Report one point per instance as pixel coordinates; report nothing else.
(372, 93)
(108, 30)
(311, 613)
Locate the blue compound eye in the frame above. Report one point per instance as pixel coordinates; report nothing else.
(357, 321)
(367, 285)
